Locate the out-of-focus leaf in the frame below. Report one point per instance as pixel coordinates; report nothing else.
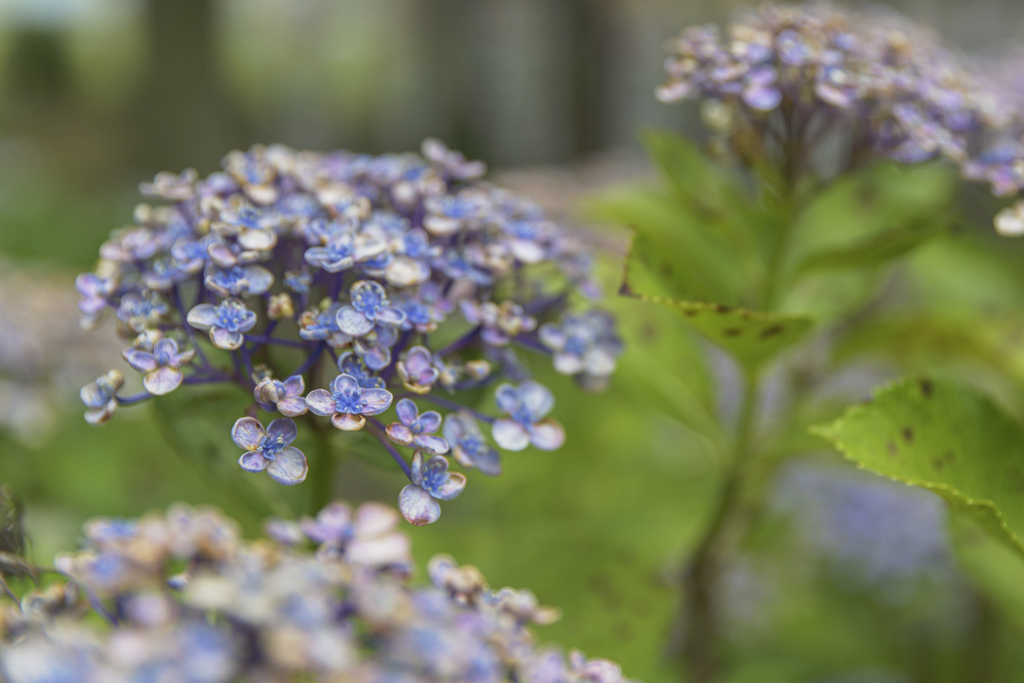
(948, 438)
(674, 251)
(992, 340)
(843, 239)
(994, 568)
(865, 206)
(874, 250)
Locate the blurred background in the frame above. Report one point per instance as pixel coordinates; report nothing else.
(97, 95)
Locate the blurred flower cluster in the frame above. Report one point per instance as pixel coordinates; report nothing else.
(791, 76)
(873, 532)
(44, 356)
(186, 599)
(383, 279)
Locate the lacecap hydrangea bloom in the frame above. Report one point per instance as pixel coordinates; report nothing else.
(793, 76)
(386, 279)
(328, 598)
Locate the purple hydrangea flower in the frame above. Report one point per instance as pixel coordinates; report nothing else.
(499, 322)
(346, 248)
(415, 429)
(526, 406)
(417, 370)
(469, 447)
(162, 366)
(585, 345)
(141, 312)
(431, 481)
(100, 397)
(94, 290)
(286, 396)
(228, 322)
(375, 347)
(323, 326)
(351, 364)
(270, 450)
(347, 403)
(251, 279)
(369, 307)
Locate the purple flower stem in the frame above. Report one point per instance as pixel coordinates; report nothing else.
(134, 398)
(266, 339)
(176, 299)
(304, 368)
(460, 343)
(377, 429)
(389, 371)
(450, 405)
(532, 343)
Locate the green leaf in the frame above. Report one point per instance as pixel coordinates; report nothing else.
(751, 337)
(945, 437)
(994, 568)
(674, 250)
(874, 250)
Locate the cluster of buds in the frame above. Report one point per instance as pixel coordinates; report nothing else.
(326, 598)
(794, 76)
(385, 279)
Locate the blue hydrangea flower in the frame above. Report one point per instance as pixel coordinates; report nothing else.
(246, 223)
(375, 348)
(347, 403)
(431, 481)
(94, 290)
(499, 322)
(332, 525)
(585, 345)
(323, 326)
(346, 248)
(415, 429)
(286, 396)
(100, 397)
(469, 447)
(251, 279)
(448, 214)
(131, 245)
(162, 366)
(417, 370)
(298, 281)
(141, 312)
(526, 406)
(228, 322)
(369, 307)
(270, 450)
(452, 163)
(351, 364)
(173, 186)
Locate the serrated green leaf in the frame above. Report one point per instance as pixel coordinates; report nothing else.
(751, 337)
(945, 437)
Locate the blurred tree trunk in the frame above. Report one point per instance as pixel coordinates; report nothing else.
(591, 33)
(186, 117)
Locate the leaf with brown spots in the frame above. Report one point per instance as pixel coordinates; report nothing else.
(946, 437)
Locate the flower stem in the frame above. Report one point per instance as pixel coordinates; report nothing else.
(700, 612)
(321, 467)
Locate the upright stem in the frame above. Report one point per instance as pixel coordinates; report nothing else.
(321, 467)
(700, 614)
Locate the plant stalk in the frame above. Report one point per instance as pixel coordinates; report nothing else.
(700, 651)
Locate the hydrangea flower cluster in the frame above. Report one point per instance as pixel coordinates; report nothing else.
(791, 75)
(188, 600)
(875, 532)
(408, 274)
